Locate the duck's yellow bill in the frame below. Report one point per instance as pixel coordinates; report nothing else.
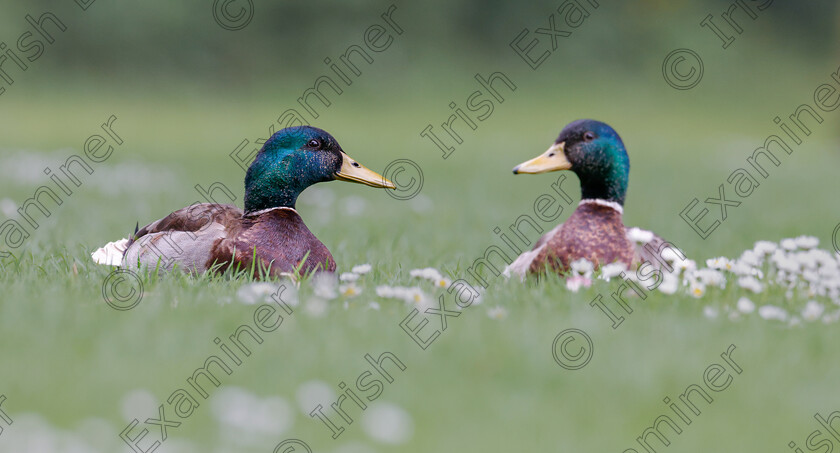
(353, 171)
(552, 160)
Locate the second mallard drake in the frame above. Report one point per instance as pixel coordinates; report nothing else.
(595, 231)
(269, 232)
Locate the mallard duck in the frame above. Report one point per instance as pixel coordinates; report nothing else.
(269, 232)
(595, 231)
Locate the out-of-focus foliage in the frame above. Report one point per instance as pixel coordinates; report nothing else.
(160, 37)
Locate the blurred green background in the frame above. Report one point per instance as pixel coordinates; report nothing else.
(187, 92)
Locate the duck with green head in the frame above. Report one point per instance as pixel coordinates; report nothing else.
(595, 231)
(269, 232)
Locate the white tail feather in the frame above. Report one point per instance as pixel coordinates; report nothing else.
(111, 253)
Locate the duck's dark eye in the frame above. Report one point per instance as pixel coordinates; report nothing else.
(589, 136)
(314, 143)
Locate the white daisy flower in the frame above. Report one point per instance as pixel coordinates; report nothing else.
(670, 284)
(373, 306)
(428, 273)
(443, 282)
(582, 267)
(745, 305)
(348, 277)
(639, 235)
(697, 289)
(387, 423)
(751, 283)
(751, 258)
(323, 285)
(349, 290)
(612, 270)
(720, 263)
(576, 282)
(9, 208)
(773, 312)
(710, 312)
(806, 242)
(685, 265)
(710, 277)
(764, 247)
(497, 312)
(812, 311)
(788, 244)
(361, 269)
(254, 293)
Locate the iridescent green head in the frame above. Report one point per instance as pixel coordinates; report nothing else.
(594, 152)
(295, 158)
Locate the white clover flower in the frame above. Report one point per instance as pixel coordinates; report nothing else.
(751, 283)
(497, 312)
(765, 247)
(349, 290)
(348, 277)
(612, 270)
(745, 305)
(806, 242)
(710, 312)
(773, 312)
(582, 267)
(639, 235)
(812, 311)
(788, 244)
(361, 269)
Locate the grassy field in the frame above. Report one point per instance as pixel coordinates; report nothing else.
(75, 370)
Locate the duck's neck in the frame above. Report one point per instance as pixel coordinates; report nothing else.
(260, 199)
(605, 203)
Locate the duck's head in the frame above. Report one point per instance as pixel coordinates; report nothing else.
(295, 158)
(594, 152)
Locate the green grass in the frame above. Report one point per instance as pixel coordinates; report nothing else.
(485, 384)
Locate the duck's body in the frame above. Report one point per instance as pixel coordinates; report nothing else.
(595, 231)
(223, 236)
(268, 234)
